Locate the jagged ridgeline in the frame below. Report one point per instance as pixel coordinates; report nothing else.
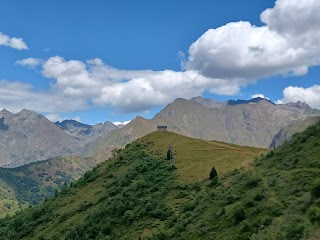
(139, 194)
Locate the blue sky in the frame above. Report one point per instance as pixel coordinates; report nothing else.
(113, 60)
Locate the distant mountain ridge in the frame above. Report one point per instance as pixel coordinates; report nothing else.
(253, 100)
(210, 103)
(253, 123)
(27, 137)
(84, 132)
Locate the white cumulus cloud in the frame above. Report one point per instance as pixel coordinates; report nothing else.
(310, 95)
(128, 90)
(13, 42)
(288, 43)
(121, 123)
(221, 61)
(30, 62)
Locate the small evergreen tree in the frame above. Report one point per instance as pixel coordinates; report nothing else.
(168, 154)
(213, 173)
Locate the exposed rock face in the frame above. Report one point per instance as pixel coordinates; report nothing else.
(29, 137)
(208, 102)
(252, 123)
(84, 132)
(286, 133)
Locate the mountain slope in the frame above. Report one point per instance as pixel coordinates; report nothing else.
(84, 132)
(32, 183)
(208, 102)
(139, 195)
(27, 137)
(101, 149)
(138, 178)
(248, 123)
(286, 133)
(251, 123)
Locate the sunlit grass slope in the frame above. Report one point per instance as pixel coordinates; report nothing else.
(194, 158)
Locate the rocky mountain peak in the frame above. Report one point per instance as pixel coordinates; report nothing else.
(208, 102)
(71, 123)
(5, 113)
(302, 105)
(253, 100)
(179, 101)
(24, 113)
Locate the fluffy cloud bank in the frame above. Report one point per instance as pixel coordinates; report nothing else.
(128, 90)
(287, 44)
(309, 95)
(16, 96)
(16, 43)
(221, 61)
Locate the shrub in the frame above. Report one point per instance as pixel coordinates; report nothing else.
(252, 182)
(129, 217)
(315, 189)
(238, 215)
(314, 215)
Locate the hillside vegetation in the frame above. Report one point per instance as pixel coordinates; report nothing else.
(31, 184)
(139, 194)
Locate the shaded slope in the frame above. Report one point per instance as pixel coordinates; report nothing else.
(138, 194)
(84, 132)
(286, 133)
(31, 184)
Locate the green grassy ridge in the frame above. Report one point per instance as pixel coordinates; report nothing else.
(140, 195)
(194, 158)
(30, 184)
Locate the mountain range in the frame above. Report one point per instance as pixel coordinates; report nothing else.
(28, 137)
(249, 123)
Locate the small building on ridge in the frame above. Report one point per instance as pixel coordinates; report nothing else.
(162, 128)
